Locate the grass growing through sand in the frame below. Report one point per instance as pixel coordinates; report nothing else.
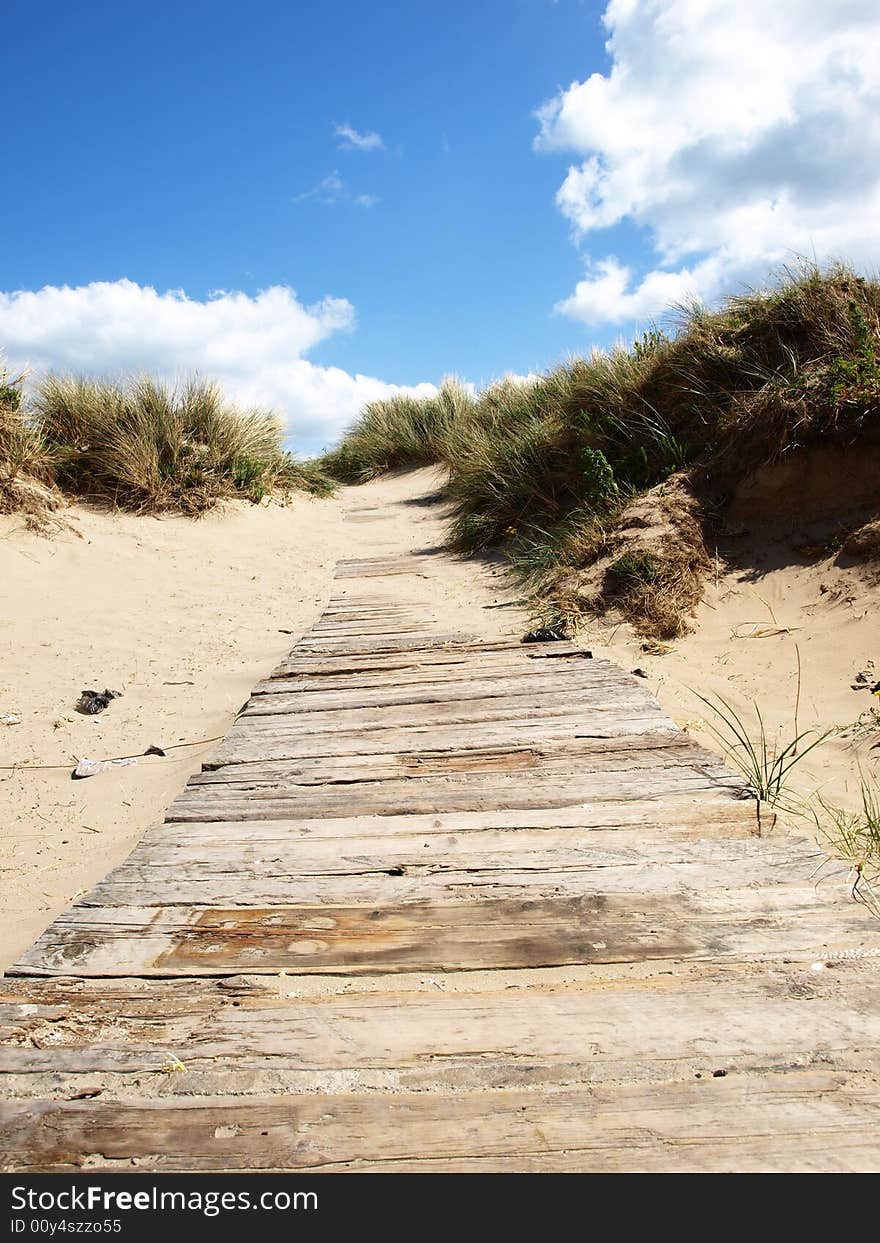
(152, 448)
(855, 837)
(613, 460)
(850, 836)
(765, 763)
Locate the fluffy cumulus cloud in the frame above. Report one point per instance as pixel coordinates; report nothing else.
(736, 136)
(254, 346)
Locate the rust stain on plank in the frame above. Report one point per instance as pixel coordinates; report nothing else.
(418, 936)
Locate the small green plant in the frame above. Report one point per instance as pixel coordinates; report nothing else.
(856, 380)
(600, 486)
(649, 343)
(247, 475)
(10, 392)
(854, 837)
(634, 568)
(764, 763)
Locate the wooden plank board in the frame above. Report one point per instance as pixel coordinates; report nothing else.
(362, 853)
(393, 567)
(409, 676)
(253, 746)
(687, 816)
(383, 628)
(280, 715)
(787, 920)
(313, 698)
(452, 677)
(798, 1120)
(311, 664)
(642, 750)
(230, 802)
(319, 645)
(393, 870)
(482, 1032)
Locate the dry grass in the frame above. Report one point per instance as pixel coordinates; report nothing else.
(402, 431)
(26, 463)
(150, 448)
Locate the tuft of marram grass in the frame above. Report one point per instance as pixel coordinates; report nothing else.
(26, 462)
(148, 447)
(855, 838)
(399, 431)
(764, 762)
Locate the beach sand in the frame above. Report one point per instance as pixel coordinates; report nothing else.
(775, 618)
(186, 616)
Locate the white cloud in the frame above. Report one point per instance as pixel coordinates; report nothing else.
(333, 189)
(738, 136)
(329, 190)
(348, 139)
(253, 346)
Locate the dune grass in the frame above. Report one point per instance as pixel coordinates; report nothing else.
(149, 447)
(26, 462)
(401, 431)
(764, 762)
(548, 470)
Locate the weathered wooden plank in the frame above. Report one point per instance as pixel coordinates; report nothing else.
(313, 664)
(785, 920)
(588, 714)
(379, 601)
(241, 746)
(230, 802)
(794, 1120)
(414, 680)
(569, 756)
(600, 853)
(573, 1026)
(312, 698)
(321, 646)
(386, 628)
(431, 642)
(406, 675)
(391, 568)
(282, 715)
(357, 608)
(689, 816)
(390, 870)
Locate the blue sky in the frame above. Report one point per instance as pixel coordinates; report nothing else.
(528, 191)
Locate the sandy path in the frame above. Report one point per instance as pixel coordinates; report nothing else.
(185, 617)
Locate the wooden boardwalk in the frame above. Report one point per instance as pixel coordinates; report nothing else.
(440, 903)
